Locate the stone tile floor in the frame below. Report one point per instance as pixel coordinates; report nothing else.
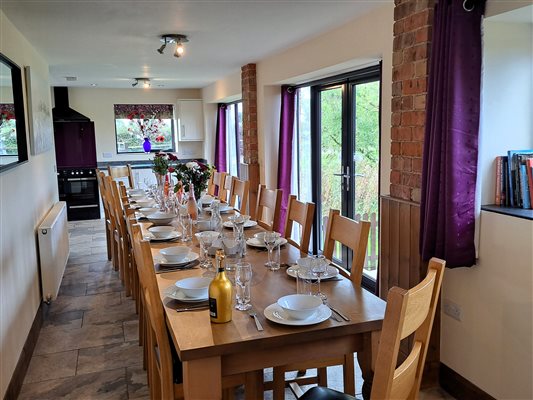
(88, 345)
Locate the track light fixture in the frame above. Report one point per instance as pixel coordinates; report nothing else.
(145, 82)
(173, 38)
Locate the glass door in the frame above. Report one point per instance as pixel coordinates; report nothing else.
(346, 131)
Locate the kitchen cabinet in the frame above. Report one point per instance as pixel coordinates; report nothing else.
(190, 120)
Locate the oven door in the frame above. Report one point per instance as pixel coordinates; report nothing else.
(79, 191)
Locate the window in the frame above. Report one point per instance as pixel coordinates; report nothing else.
(234, 147)
(136, 122)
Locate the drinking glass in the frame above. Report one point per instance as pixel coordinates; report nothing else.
(319, 266)
(243, 279)
(185, 222)
(206, 240)
(270, 239)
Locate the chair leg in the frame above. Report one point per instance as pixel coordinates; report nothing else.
(126, 267)
(114, 258)
(108, 242)
(349, 374)
(322, 374)
(279, 383)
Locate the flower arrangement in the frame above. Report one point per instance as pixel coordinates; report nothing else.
(148, 126)
(193, 172)
(162, 163)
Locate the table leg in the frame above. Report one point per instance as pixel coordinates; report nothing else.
(195, 375)
(253, 385)
(366, 359)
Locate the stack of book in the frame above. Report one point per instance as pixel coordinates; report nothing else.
(514, 179)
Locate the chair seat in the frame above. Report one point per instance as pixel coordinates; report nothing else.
(321, 393)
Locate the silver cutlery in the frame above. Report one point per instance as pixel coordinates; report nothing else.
(335, 316)
(343, 316)
(253, 314)
(193, 308)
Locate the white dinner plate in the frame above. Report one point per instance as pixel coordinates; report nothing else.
(331, 272)
(276, 314)
(186, 260)
(224, 208)
(174, 293)
(174, 235)
(247, 224)
(254, 242)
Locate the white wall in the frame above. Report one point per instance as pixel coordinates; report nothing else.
(97, 104)
(492, 345)
(507, 97)
(347, 48)
(27, 192)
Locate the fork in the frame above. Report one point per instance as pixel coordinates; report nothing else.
(253, 314)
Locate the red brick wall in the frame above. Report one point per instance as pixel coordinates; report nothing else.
(249, 113)
(249, 130)
(413, 20)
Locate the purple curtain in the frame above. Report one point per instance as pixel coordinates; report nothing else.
(451, 137)
(220, 140)
(286, 134)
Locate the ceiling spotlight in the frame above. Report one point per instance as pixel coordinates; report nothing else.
(145, 82)
(179, 50)
(173, 38)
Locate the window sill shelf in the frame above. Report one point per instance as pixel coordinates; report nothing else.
(511, 211)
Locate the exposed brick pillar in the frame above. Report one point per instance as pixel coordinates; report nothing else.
(249, 130)
(413, 20)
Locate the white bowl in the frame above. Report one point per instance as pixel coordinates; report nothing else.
(299, 306)
(137, 196)
(134, 192)
(161, 232)
(174, 254)
(146, 211)
(194, 287)
(161, 218)
(207, 199)
(145, 202)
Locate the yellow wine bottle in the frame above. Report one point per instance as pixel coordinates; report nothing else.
(220, 293)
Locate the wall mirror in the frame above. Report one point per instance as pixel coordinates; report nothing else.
(13, 147)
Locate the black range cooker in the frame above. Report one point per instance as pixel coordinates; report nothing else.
(75, 145)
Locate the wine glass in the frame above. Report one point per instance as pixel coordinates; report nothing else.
(206, 240)
(319, 266)
(270, 239)
(243, 279)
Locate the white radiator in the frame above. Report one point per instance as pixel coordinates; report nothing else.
(53, 249)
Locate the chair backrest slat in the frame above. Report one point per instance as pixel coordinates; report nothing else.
(268, 200)
(352, 234)
(303, 214)
(238, 198)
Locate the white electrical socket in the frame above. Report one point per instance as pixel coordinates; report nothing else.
(452, 309)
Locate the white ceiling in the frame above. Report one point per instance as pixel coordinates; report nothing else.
(109, 43)
(522, 15)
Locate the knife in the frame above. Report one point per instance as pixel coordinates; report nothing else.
(344, 317)
(193, 308)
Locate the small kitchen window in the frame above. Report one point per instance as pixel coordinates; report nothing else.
(141, 128)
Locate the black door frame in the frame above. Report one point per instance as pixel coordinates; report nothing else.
(348, 82)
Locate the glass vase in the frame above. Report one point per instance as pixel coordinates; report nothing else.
(147, 146)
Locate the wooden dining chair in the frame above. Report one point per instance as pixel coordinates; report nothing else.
(164, 368)
(108, 182)
(216, 185)
(227, 187)
(408, 312)
(121, 172)
(353, 235)
(238, 197)
(108, 232)
(302, 214)
(268, 208)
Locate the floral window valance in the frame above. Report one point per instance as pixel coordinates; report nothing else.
(144, 111)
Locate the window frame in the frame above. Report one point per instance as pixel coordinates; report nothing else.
(173, 149)
(236, 134)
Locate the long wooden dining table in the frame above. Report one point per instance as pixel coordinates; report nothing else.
(210, 351)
